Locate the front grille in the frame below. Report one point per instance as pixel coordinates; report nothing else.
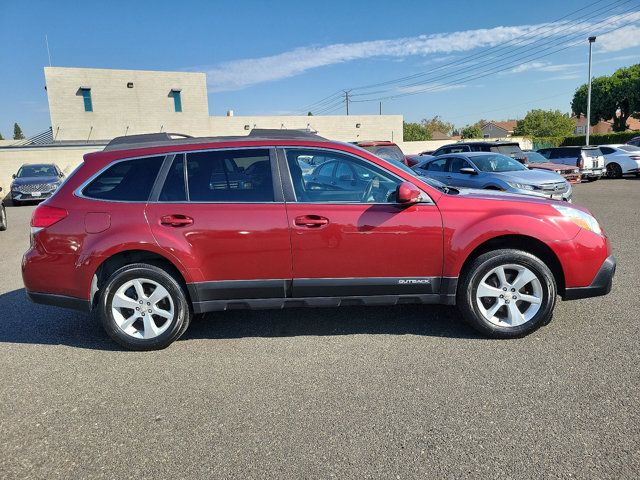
(35, 187)
(557, 187)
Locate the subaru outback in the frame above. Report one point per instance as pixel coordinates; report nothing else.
(154, 229)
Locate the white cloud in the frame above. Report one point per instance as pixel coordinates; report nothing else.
(238, 74)
(626, 37)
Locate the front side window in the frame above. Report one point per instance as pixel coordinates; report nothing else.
(366, 182)
(455, 164)
(129, 180)
(234, 176)
(86, 97)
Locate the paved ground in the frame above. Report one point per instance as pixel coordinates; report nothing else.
(405, 392)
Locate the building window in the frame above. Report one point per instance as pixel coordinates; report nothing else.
(86, 96)
(177, 101)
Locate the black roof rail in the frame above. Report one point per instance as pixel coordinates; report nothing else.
(143, 138)
(279, 133)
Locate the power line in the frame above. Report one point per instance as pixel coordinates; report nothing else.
(550, 27)
(500, 69)
(508, 44)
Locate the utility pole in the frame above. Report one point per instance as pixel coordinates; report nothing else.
(380, 110)
(591, 41)
(346, 99)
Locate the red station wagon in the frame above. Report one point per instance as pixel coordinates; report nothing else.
(154, 229)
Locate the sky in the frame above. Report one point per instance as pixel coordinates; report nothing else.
(461, 60)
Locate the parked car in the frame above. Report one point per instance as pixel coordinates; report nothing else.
(588, 159)
(511, 149)
(621, 159)
(35, 182)
(534, 160)
(634, 141)
(384, 149)
(161, 244)
(3, 216)
(495, 171)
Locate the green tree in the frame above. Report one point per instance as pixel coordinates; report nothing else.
(616, 98)
(413, 132)
(545, 123)
(17, 132)
(1, 137)
(309, 114)
(472, 131)
(436, 124)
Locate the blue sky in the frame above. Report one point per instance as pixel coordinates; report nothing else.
(278, 57)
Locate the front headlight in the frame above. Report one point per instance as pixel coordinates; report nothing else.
(580, 218)
(521, 186)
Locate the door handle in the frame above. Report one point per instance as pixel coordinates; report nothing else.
(176, 220)
(311, 221)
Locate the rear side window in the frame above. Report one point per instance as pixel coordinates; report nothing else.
(230, 176)
(127, 181)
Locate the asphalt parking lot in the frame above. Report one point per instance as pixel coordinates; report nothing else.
(403, 392)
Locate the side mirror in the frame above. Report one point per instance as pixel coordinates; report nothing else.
(407, 193)
(468, 171)
(13, 176)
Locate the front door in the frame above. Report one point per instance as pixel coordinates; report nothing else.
(351, 238)
(218, 213)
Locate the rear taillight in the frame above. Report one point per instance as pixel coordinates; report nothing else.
(44, 216)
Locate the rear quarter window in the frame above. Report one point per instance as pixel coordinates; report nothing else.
(126, 181)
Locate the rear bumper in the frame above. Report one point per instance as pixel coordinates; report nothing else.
(601, 284)
(62, 301)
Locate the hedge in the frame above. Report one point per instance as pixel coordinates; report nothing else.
(579, 140)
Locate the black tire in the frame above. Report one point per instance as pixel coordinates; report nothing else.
(614, 170)
(3, 219)
(594, 179)
(481, 266)
(16, 203)
(178, 324)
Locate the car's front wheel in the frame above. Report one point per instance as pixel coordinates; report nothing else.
(143, 307)
(507, 293)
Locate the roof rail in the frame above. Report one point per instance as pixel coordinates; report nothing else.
(278, 133)
(143, 138)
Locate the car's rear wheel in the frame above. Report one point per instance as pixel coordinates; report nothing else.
(507, 293)
(143, 307)
(3, 218)
(614, 170)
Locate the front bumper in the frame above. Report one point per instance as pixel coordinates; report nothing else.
(601, 284)
(29, 197)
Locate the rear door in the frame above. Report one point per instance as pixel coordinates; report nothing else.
(221, 212)
(359, 242)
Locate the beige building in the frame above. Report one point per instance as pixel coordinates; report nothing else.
(99, 104)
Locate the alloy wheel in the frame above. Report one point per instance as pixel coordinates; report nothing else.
(509, 295)
(142, 308)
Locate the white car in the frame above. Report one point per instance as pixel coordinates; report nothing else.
(621, 159)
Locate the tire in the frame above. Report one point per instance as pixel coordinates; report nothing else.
(3, 219)
(594, 179)
(485, 270)
(614, 170)
(137, 330)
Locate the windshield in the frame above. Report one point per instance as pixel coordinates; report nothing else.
(389, 152)
(629, 148)
(497, 163)
(37, 171)
(535, 157)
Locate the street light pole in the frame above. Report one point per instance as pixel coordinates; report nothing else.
(591, 41)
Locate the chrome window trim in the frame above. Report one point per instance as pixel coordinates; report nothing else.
(427, 201)
(78, 191)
